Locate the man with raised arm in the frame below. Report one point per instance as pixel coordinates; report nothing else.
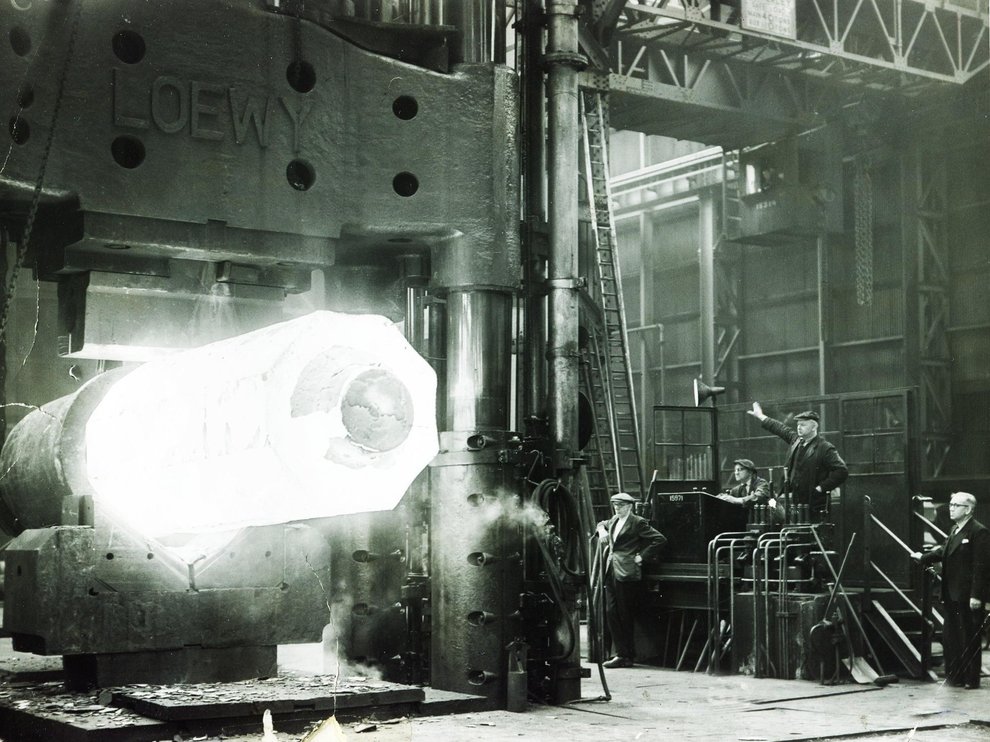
(813, 468)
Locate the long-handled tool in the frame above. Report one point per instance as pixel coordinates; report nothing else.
(823, 635)
(862, 669)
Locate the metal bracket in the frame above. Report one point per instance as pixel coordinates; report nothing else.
(571, 59)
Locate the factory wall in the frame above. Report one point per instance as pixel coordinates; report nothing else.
(784, 349)
(968, 234)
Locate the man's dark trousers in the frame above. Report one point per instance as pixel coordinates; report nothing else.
(622, 602)
(962, 643)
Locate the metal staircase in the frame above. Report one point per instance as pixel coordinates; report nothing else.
(608, 370)
(904, 620)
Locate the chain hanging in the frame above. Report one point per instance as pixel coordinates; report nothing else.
(863, 213)
(21, 255)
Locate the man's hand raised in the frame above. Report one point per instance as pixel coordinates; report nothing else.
(757, 412)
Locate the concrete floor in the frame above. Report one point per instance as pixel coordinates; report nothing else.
(649, 703)
(655, 704)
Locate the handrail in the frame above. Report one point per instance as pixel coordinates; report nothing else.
(890, 533)
(929, 524)
(713, 579)
(890, 582)
(926, 611)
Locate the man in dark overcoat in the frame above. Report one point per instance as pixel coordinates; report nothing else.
(813, 467)
(965, 558)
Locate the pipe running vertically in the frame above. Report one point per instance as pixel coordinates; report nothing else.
(474, 493)
(534, 169)
(474, 508)
(563, 62)
(475, 19)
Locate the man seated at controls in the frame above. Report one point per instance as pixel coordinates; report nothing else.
(628, 541)
(750, 489)
(813, 467)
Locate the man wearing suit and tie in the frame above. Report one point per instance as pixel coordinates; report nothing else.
(627, 541)
(965, 558)
(813, 468)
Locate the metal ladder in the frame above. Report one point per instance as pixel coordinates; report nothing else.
(602, 474)
(616, 422)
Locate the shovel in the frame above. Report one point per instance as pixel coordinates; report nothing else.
(860, 670)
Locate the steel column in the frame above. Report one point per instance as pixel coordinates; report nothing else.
(563, 61)
(474, 536)
(823, 324)
(934, 354)
(562, 93)
(534, 168)
(706, 271)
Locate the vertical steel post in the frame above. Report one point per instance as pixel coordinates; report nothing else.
(706, 255)
(534, 371)
(822, 263)
(474, 522)
(563, 62)
(475, 20)
(562, 59)
(647, 312)
(474, 525)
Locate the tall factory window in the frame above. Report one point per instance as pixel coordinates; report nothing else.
(683, 443)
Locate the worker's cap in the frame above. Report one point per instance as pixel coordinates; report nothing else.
(622, 497)
(809, 415)
(746, 464)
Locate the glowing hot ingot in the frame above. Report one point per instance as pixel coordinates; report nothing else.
(323, 415)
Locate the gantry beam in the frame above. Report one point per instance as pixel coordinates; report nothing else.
(735, 74)
(679, 95)
(885, 45)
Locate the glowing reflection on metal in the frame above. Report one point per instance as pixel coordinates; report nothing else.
(323, 415)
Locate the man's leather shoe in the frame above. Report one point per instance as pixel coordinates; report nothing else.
(618, 662)
(972, 686)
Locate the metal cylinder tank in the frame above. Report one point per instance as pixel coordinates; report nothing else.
(475, 533)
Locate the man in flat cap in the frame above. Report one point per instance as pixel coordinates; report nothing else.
(750, 489)
(813, 467)
(628, 541)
